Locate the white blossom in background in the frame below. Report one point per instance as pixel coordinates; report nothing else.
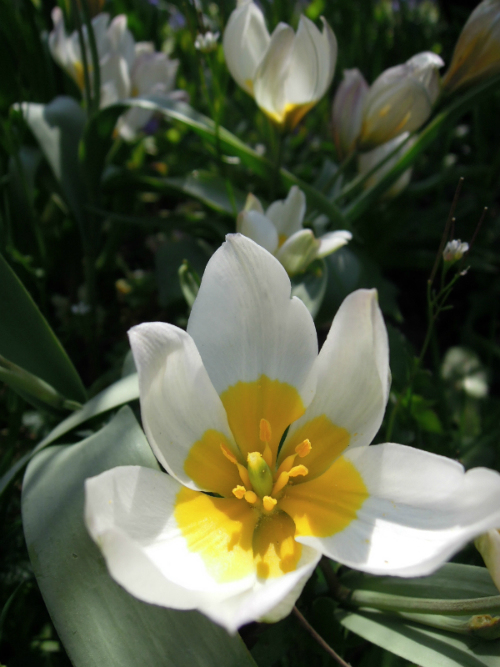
(400, 99)
(127, 69)
(463, 369)
(239, 524)
(347, 111)
(454, 250)
(207, 42)
(286, 72)
(367, 161)
(477, 52)
(280, 231)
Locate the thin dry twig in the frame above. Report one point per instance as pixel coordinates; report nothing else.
(319, 639)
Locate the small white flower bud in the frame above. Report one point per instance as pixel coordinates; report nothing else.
(454, 250)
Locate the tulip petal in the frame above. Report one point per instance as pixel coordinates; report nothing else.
(288, 214)
(312, 63)
(270, 77)
(420, 509)
(333, 241)
(298, 251)
(182, 414)
(259, 228)
(352, 385)
(257, 344)
(246, 40)
(178, 548)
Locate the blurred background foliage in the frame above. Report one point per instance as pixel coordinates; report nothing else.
(147, 225)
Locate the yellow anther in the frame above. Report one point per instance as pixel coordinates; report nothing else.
(265, 432)
(239, 491)
(228, 453)
(281, 482)
(267, 455)
(269, 503)
(298, 470)
(251, 497)
(303, 449)
(244, 475)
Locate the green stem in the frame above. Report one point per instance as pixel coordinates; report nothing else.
(83, 49)
(96, 68)
(317, 637)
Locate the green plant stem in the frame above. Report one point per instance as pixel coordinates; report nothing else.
(317, 637)
(344, 165)
(277, 157)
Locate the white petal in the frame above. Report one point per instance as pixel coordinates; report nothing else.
(298, 251)
(288, 214)
(312, 63)
(130, 514)
(244, 323)
(253, 204)
(269, 80)
(333, 241)
(245, 43)
(488, 545)
(421, 509)
(120, 39)
(132, 121)
(258, 228)
(178, 402)
(347, 110)
(353, 371)
(153, 73)
(115, 73)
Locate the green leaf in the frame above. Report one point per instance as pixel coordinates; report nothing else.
(229, 143)
(98, 622)
(58, 128)
(122, 391)
(211, 190)
(310, 286)
(421, 645)
(169, 259)
(27, 340)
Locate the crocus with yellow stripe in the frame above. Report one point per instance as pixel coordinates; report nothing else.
(241, 519)
(287, 73)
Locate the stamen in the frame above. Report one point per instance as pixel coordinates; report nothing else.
(244, 475)
(303, 449)
(298, 470)
(281, 482)
(269, 503)
(287, 464)
(265, 431)
(239, 491)
(267, 455)
(251, 497)
(228, 453)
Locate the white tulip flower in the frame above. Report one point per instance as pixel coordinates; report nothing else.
(400, 100)
(347, 111)
(286, 73)
(367, 161)
(238, 524)
(280, 231)
(127, 69)
(477, 52)
(488, 546)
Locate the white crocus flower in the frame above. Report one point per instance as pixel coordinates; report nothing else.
(347, 111)
(280, 231)
(367, 161)
(127, 69)
(238, 525)
(400, 100)
(286, 73)
(477, 53)
(488, 546)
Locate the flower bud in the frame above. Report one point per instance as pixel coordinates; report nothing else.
(367, 161)
(206, 43)
(400, 100)
(488, 545)
(347, 111)
(477, 52)
(454, 250)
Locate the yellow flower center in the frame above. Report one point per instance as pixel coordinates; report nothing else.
(262, 487)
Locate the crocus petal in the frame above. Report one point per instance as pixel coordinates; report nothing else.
(298, 251)
(245, 42)
(288, 214)
(312, 63)
(259, 228)
(153, 72)
(420, 509)
(114, 71)
(347, 111)
(352, 385)
(121, 40)
(182, 415)
(332, 241)
(269, 80)
(257, 344)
